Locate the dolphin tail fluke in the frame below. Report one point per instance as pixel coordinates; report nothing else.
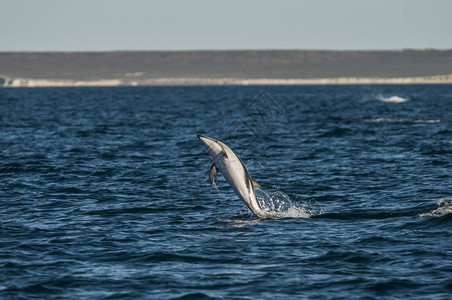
(256, 184)
(212, 173)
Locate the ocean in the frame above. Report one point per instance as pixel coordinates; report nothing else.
(104, 193)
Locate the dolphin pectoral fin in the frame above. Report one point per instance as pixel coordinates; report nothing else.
(212, 173)
(256, 184)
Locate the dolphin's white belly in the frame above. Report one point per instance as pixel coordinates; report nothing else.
(234, 171)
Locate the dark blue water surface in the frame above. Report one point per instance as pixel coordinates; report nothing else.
(104, 193)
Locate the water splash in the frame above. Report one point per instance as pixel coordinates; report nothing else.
(218, 190)
(444, 207)
(391, 99)
(277, 204)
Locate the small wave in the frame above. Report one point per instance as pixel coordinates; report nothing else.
(409, 121)
(193, 296)
(444, 207)
(277, 205)
(392, 99)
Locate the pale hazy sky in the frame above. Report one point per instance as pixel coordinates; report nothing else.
(83, 25)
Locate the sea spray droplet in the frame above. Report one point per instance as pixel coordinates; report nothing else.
(277, 204)
(218, 190)
(276, 201)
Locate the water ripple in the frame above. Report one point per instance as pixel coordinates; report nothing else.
(105, 193)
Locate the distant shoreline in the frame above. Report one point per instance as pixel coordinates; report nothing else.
(30, 82)
(253, 67)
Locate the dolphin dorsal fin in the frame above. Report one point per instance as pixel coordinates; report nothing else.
(256, 184)
(212, 173)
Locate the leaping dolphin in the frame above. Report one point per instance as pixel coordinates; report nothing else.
(235, 173)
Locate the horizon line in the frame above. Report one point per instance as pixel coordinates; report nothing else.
(233, 50)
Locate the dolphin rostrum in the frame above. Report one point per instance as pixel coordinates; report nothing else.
(235, 173)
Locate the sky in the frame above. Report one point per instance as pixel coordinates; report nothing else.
(109, 25)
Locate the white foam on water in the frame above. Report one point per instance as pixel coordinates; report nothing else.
(444, 208)
(392, 99)
(277, 204)
(414, 121)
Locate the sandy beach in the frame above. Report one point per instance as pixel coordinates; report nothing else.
(30, 82)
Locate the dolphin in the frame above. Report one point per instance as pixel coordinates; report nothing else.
(235, 173)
